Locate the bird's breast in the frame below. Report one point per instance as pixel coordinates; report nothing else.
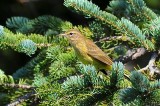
(81, 52)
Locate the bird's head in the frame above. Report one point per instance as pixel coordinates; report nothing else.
(73, 35)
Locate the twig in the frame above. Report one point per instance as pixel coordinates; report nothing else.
(18, 86)
(123, 38)
(22, 99)
(132, 54)
(151, 66)
(44, 45)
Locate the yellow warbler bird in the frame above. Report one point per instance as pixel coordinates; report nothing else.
(87, 51)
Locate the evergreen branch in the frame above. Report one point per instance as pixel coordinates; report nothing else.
(139, 82)
(87, 81)
(92, 10)
(8, 81)
(28, 68)
(118, 7)
(139, 8)
(142, 89)
(53, 69)
(91, 76)
(63, 64)
(42, 45)
(122, 38)
(152, 27)
(151, 65)
(74, 82)
(46, 24)
(16, 23)
(5, 78)
(22, 99)
(27, 46)
(136, 4)
(22, 43)
(135, 34)
(17, 86)
(40, 80)
(156, 84)
(1, 31)
(127, 95)
(117, 74)
(149, 14)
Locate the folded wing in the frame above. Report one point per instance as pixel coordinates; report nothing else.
(95, 52)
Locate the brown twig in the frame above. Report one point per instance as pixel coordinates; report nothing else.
(44, 45)
(22, 99)
(132, 54)
(151, 65)
(123, 38)
(18, 86)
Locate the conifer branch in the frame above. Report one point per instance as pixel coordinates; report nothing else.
(122, 38)
(55, 72)
(17, 86)
(22, 99)
(40, 45)
(140, 9)
(28, 68)
(152, 27)
(92, 10)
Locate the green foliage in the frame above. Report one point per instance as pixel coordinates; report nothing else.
(16, 23)
(28, 46)
(27, 70)
(141, 89)
(143, 82)
(10, 88)
(135, 34)
(91, 10)
(117, 75)
(118, 8)
(5, 79)
(153, 27)
(22, 43)
(141, 12)
(55, 74)
(41, 25)
(74, 83)
(100, 86)
(1, 31)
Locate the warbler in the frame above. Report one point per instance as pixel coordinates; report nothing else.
(87, 51)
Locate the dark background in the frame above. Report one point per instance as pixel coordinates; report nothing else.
(10, 60)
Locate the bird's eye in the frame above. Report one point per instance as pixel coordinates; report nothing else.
(71, 33)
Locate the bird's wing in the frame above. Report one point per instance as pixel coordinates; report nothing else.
(97, 53)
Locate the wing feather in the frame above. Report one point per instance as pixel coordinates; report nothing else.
(97, 53)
